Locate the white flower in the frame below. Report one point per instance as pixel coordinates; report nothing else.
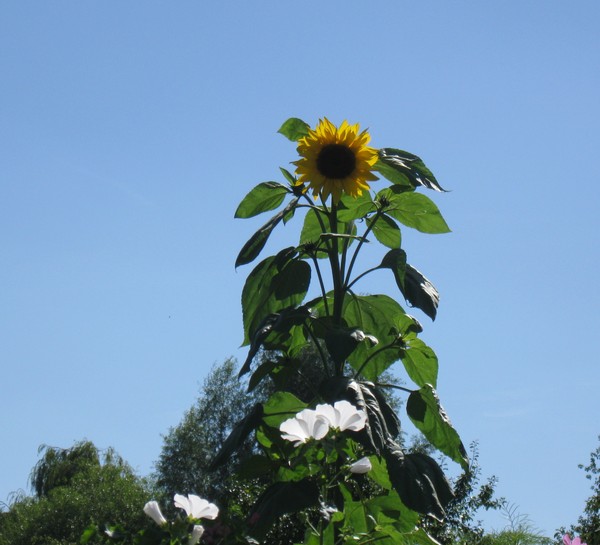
(153, 511)
(343, 416)
(195, 507)
(361, 466)
(197, 532)
(304, 426)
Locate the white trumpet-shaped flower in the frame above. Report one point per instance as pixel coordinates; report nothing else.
(343, 416)
(361, 466)
(197, 532)
(152, 509)
(304, 426)
(196, 507)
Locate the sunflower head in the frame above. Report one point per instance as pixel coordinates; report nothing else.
(335, 160)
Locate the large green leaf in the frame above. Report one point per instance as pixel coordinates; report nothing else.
(426, 413)
(418, 480)
(257, 241)
(393, 175)
(375, 315)
(415, 210)
(420, 292)
(409, 165)
(386, 230)
(294, 129)
(353, 208)
(419, 360)
(280, 499)
(276, 283)
(264, 197)
(238, 435)
(311, 229)
(280, 407)
(395, 260)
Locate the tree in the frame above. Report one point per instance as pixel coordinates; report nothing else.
(74, 488)
(189, 447)
(588, 524)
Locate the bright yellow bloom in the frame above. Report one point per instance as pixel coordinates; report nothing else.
(336, 160)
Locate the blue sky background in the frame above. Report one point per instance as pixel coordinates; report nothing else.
(131, 130)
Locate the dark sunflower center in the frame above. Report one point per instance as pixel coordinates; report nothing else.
(336, 161)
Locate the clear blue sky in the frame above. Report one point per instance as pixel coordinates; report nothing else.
(129, 131)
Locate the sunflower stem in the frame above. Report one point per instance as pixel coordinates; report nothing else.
(362, 241)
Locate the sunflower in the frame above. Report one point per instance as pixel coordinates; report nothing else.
(335, 160)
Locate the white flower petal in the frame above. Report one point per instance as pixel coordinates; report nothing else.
(152, 509)
(307, 424)
(349, 417)
(183, 503)
(202, 509)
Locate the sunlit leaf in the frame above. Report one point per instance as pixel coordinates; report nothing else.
(417, 211)
(427, 414)
(253, 247)
(386, 230)
(420, 361)
(264, 197)
(409, 165)
(294, 129)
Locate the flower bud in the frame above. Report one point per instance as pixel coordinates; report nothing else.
(361, 466)
(153, 511)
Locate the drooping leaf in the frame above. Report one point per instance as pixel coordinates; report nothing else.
(264, 197)
(395, 260)
(393, 175)
(238, 435)
(386, 230)
(294, 129)
(274, 331)
(418, 480)
(276, 283)
(410, 166)
(420, 292)
(257, 241)
(427, 414)
(415, 210)
(280, 499)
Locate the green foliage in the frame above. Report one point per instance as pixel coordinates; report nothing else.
(102, 489)
(356, 338)
(588, 524)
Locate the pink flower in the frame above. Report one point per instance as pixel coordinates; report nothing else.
(575, 541)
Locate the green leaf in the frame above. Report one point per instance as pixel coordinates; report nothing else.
(276, 283)
(420, 361)
(409, 165)
(238, 435)
(386, 230)
(253, 247)
(395, 260)
(288, 176)
(415, 210)
(311, 229)
(375, 315)
(279, 499)
(294, 129)
(264, 197)
(255, 466)
(351, 208)
(395, 176)
(418, 480)
(426, 413)
(420, 292)
(280, 407)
